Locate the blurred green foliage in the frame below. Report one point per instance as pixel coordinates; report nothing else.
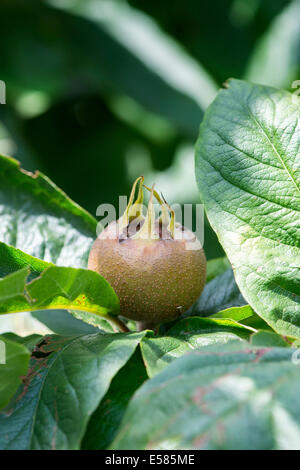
(100, 91)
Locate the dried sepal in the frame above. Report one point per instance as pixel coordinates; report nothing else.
(133, 209)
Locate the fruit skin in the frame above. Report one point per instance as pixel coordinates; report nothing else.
(156, 280)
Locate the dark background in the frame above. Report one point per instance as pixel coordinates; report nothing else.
(101, 91)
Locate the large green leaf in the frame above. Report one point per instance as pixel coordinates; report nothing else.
(59, 321)
(38, 218)
(57, 288)
(66, 381)
(187, 335)
(227, 397)
(248, 172)
(14, 360)
(105, 421)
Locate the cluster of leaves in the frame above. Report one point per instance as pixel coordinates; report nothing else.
(224, 375)
(107, 90)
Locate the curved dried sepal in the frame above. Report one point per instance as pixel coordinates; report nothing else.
(136, 210)
(165, 219)
(147, 232)
(132, 210)
(171, 226)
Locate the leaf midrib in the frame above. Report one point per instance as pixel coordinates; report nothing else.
(243, 220)
(57, 355)
(259, 125)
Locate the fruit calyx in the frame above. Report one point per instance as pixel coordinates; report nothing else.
(134, 225)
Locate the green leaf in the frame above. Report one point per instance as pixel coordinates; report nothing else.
(93, 320)
(57, 288)
(268, 339)
(38, 218)
(105, 421)
(63, 322)
(215, 267)
(256, 322)
(228, 397)
(66, 381)
(220, 293)
(14, 360)
(275, 59)
(243, 315)
(235, 313)
(187, 335)
(72, 288)
(29, 341)
(12, 259)
(59, 321)
(248, 173)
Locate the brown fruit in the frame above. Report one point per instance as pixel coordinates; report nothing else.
(154, 274)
